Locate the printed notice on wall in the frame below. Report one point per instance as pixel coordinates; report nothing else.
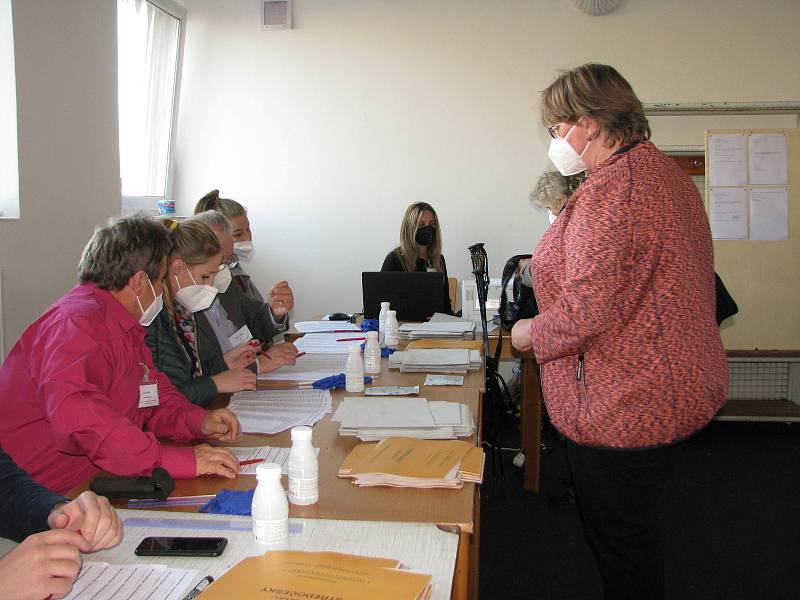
(768, 159)
(727, 159)
(729, 213)
(769, 214)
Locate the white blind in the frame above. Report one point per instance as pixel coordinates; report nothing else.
(148, 39)
(9, 172)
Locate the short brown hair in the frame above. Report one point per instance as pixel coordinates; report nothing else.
(600, 92)
(123, 247)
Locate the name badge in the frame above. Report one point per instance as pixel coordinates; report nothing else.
(430, 270)
(240, 337)
(148, 391)
(148, 395)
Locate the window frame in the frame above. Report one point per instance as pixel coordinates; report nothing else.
(137, 203)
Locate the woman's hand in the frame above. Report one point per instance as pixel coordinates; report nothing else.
(277, 356)
(235, 380)
(521, 335)
(243, 355)
(220, 424)
(212, 460)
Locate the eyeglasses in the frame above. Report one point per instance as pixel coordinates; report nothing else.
(552, 131)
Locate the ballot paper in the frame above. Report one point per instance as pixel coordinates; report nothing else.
(378, 418)
(318, 326)
(282, 574)
(444, 380)
(101, 581)
(436, 360)
(308, 368)
(273, 411)
(329, 343)
(279, 456)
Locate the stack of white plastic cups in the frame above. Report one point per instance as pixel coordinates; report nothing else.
(303, 468)
(270, 508)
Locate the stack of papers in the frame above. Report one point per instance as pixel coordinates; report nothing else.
(329, 343)
(463, 329)
(308, 368)
(436, 360)
(282, 574)
(377, 418)
(406, 462)
(273, 411)
(102, 581)
(320, 326)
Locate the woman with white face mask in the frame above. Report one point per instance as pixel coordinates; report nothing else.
(632, 364)
(189, 288)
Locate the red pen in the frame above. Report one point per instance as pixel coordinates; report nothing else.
(351, 339)
(251, 462)
(299, 354)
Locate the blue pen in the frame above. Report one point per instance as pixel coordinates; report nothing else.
(204, 583)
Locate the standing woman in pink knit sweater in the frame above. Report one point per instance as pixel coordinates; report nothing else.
(631, 359)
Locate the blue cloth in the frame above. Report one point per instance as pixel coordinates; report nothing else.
(370, 325)
(385, 352)
(230, 502)
(334, 381)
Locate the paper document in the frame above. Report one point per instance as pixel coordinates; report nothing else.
(317, 326)
(392, 390)
(101, 581)
(729, 213)
(444, 380)
(273, 411)
(727, 157)
(308, 368)
(382, 411)
(769, 213)
(329, 343)
(268, 454)
(768, 159)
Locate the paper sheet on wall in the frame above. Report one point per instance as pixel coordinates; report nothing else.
(727, 156)
(729, 213)
(769, 214)
(768, 159)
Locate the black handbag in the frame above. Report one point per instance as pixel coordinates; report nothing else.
(522, 304)
(726, 306)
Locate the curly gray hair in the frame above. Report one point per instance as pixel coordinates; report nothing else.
(552, 190)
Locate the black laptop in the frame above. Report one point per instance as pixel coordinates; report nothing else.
(415, 296)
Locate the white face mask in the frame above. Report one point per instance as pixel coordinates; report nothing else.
(223, 279)
(564, 156)
(149, 315)
(195, 297)
(551, 216)
(243, 250)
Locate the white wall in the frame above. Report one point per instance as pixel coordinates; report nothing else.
(327, 132)
(66, 69)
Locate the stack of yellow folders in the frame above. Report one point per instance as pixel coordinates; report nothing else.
(283, 574)
(409, 462)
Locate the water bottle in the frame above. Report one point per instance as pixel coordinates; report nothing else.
(303, 468)
(392, 337)
(354, 370)
(372, 353)
(270, 508)
(382, 322)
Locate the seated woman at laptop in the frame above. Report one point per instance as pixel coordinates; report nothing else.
(172, 336)
(420, 246)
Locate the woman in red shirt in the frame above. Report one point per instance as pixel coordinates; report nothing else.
(631, 358)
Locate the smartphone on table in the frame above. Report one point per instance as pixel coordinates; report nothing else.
(181, 546)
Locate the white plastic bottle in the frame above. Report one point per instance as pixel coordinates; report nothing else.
(303, 468)
(270, 508)
(382, 322)
(354, 370)
(372, 353)
(392, 339)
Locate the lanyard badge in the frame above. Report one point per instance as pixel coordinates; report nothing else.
(148, 391)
